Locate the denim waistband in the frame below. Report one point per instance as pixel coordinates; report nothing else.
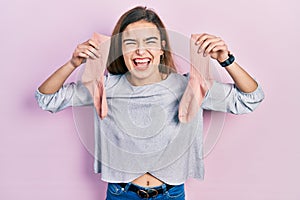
(146, 192)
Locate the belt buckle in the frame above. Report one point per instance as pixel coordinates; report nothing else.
(147, 194)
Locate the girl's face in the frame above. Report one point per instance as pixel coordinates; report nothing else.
(142, 48)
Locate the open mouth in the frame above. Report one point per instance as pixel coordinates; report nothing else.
(141, 63)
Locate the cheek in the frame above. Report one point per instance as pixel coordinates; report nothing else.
(127, 60)
(156, 56)
(126, 55)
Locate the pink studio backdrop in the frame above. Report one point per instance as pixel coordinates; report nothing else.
(41, 155)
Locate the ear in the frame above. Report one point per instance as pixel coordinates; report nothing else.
(163, 45)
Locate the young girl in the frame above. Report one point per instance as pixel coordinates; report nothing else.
(142, 148)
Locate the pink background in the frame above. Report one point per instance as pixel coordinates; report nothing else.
(41, 155)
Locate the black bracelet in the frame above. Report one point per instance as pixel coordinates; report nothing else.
(227, 62)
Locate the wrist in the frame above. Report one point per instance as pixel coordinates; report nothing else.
(69, 66)
(72, 64)
(228, 61)
(222, 58)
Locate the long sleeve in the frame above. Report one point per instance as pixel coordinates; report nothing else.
(71, 94)
(228, 98)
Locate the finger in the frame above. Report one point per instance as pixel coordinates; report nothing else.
(78, 53)
(83, 55)
(94, 51)
(202, 38)
(199, 37)
(213, 45)
(205, 44)
(93, 44)
(83, 47)
(89, 51)
(90, 54)
(220, 48)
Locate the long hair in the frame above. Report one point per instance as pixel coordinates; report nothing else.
(115, 62)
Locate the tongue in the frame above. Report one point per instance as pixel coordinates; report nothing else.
(142, 65)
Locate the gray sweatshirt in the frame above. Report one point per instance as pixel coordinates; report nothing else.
(142, 132)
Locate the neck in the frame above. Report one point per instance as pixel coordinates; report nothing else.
(143, 81)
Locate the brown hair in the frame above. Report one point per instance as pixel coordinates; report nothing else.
(115, 62)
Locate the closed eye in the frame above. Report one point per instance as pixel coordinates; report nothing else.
(129, 41)
(151, 42)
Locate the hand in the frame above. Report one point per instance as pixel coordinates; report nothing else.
(88, 49)
(93, 75)
(213, 46)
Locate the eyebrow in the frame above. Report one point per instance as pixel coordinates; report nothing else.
(128, 40)
(151, 38)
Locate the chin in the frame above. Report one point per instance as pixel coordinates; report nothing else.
(145, 75)
(141, 74)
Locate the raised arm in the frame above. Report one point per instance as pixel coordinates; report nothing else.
(216, 48)
(202, 46)
(88, 49)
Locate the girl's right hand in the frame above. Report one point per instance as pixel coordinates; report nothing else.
(88, 49)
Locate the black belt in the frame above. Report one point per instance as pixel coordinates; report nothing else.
(147, 192)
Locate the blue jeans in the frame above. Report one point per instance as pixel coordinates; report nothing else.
(116, 192)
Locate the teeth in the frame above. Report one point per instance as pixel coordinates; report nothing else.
(145, 60)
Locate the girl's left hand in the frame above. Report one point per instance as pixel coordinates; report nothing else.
(213, 46)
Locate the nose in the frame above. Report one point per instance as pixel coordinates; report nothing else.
(141, 49)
